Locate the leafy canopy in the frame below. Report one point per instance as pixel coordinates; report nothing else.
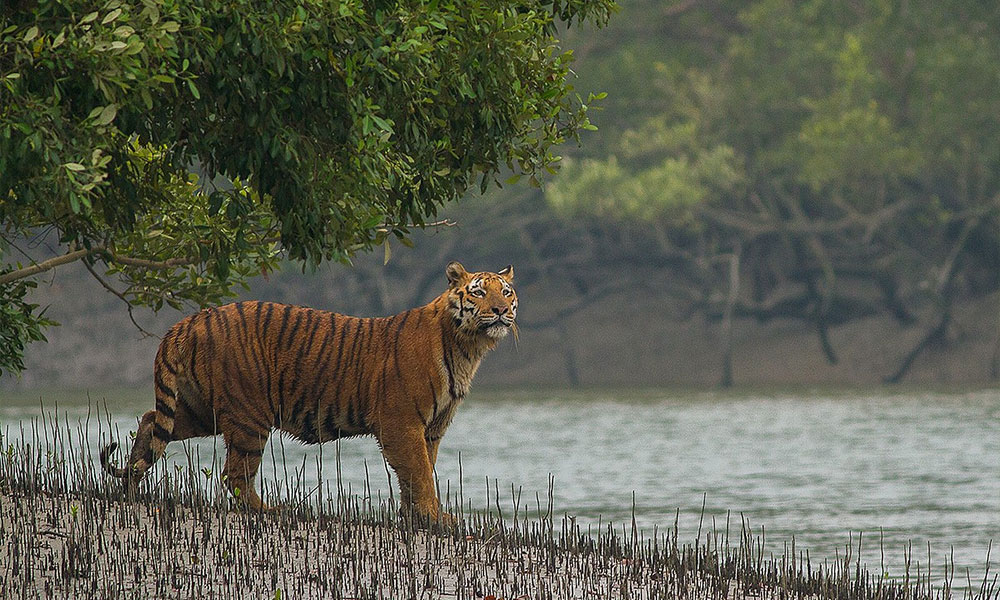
(320, 127)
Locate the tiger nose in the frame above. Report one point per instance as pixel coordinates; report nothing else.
(499, 310)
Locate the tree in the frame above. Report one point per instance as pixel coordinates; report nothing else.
(821, 161)
(321, 128)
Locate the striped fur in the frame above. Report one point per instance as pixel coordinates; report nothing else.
(245, 369)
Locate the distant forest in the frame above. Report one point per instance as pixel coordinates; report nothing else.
(827, 173)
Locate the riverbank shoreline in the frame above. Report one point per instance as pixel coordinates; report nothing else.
(67, 532)
(95, 546)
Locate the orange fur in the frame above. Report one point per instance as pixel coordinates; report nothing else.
(248, 368)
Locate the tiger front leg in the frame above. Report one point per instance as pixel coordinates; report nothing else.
(243, 457)
(407, 453)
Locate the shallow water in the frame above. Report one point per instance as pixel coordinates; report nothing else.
(905, 469)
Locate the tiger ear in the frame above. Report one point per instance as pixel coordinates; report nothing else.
(507, 273)
(455, 272)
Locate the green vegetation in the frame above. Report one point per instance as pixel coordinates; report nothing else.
(324, 126)
(823, 161)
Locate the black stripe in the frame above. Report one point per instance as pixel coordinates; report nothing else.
(170, 339)
(416, 406)
(446, 357)
(308, 433)
(299, 358)
(211, 390)
(182, 401)
(350, 416)
(312, 328)
(263, 362)
(255, 354)
(223, 317)
(284, 324)
(164, 408)
(160, 432)
(298, 403)
(395, 352)
(321, 376)
(243, 323)
(352, 353)
(295, 328)
(402, 323)
(330, 426)
(365, 347)
(194, 351)
(262, 325)
(256, 452)
(166, 391)
(338, 366)
(209, 336)
(281, 397)
(434, 396)
(246, 429)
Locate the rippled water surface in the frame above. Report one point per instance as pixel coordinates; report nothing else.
(909, 469)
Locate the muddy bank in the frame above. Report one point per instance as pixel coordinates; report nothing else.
(66, 532)
(69, 546)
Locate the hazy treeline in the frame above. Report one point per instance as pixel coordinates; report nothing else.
(822, 161)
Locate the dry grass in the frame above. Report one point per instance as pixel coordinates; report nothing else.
(67, 533)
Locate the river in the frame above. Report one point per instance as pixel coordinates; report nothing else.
(906, 469)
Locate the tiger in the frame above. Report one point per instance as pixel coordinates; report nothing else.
(249, 368)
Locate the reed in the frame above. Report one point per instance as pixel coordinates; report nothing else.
(67, 532)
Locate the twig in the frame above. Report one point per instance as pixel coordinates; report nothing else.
(122, 297)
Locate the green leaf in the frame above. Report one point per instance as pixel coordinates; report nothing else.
(194, 89)
(31, 34)
(107, 115)
(111, 16)
(72, 166)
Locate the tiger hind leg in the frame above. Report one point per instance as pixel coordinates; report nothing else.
(156, 430)
(244, 452)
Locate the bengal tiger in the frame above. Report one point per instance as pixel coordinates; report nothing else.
(248, 368)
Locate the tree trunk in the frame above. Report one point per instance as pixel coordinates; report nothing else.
(727, 318)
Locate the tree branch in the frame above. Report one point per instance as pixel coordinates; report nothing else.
(45, 265)
(48, 265)
(122, 297)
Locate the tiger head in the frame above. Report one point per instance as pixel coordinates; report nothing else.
(482, 303)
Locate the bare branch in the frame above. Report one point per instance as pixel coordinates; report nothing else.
(153, 264)
(122, 297)
(45, 265)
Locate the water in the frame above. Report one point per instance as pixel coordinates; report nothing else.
(905, 469)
